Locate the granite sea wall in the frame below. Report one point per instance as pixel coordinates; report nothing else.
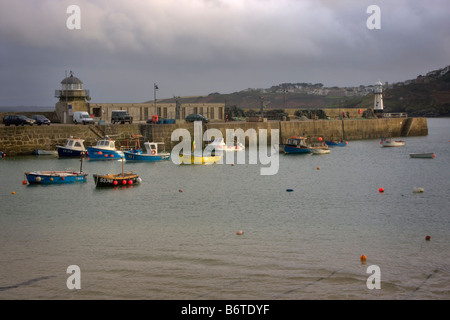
(24, 140)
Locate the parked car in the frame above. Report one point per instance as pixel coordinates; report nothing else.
(196, 117)
(17, 120)
(121, 116)
(40, 119)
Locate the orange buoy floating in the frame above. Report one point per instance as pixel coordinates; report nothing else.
(381, 190)
(13, 192)
(427, 238)
(363, 258)
(318, 168)
(24, 182)
(240, 233)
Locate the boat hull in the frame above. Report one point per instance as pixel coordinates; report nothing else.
(184, 159)
(116, 180)
(292, 149)
(132, 156)
(429, 155)
(69, 153)
(320, 150)
(393, 143)
(55, 177)
(101, 154)
(336, 144)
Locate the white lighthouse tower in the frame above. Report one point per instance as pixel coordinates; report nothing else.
(378, 100)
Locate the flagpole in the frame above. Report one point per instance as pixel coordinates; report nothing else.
(155, 87)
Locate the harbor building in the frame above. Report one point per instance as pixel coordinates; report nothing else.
(73, 97)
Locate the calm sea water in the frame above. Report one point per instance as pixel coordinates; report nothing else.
(155, 242)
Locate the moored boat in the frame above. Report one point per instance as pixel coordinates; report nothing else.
(220, 145)
(114, 180)
(320, 150)
(105, 149)
(388, 142)
(40, 152)
(191, 159)
(119, 179)
(335, 143)
(296, 144)
(423, 155)
(55, 177)
(72, 148)
(155, 152)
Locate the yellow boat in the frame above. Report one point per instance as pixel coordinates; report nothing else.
(184, 159)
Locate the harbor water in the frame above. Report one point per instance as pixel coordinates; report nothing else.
(175, 235)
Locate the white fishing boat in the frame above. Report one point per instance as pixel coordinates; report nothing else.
(220, 145)
(388, 142)
(320, 150)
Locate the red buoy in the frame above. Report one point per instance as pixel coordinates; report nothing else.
(115, 182)
(427, 238)
(381, 190)
(124, 181)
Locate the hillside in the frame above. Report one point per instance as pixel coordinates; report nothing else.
(427, 95)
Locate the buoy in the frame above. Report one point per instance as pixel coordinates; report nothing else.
(106, 155)
(38, 179)
(24, 182)
(318, 168)
(363, 258)
(100, 153)
(320, 138)
(418, 190)
(289, 190)
(434, 156)
(427, 238)
(112, 156)
(115, 182)
(124, 181)
(381, 190)
(240, 233)
(130, 182)
(13, 192)
(181, 190)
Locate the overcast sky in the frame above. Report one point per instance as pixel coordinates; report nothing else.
(196, 47)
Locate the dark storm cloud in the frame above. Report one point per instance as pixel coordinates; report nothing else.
(197, 47)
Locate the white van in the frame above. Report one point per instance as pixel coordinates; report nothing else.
(82, 117)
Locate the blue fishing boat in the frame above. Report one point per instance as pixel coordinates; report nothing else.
(336, 143)
(104, 150)
(296, 144)
(73, 148)
(155, 152)
(55, 177)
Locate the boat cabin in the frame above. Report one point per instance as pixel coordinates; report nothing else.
(154, 147)
(106, 144)
(75, 144)
(297, 141)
